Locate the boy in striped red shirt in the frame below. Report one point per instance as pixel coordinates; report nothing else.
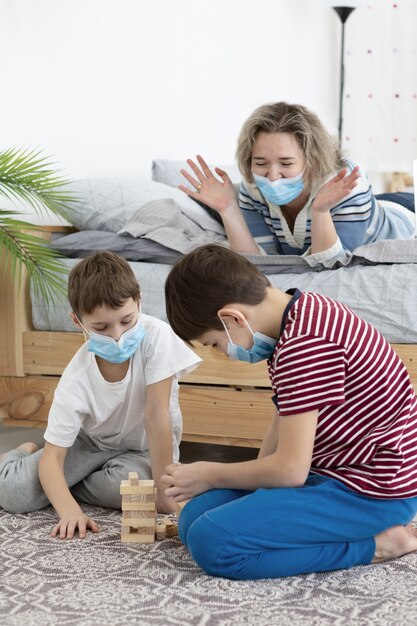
(335, 482)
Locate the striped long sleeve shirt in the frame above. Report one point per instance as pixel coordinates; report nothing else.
(359, 219)
(327, 358)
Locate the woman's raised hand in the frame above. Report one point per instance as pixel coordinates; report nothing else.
(217, 194)
(335, 190)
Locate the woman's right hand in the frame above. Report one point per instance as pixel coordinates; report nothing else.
(219, 195)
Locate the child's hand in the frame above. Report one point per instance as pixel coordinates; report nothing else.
(69, 523)
(164, 504)
(335, 190)
(186, 481)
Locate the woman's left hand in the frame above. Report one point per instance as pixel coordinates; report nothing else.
(186, 481)
(335, 190)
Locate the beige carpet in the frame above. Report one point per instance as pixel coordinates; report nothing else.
(100, 581)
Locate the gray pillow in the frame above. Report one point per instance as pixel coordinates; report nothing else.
(108, 203)
(85, 242)
(167, 171)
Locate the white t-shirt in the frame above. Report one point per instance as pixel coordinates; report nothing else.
(112, 414)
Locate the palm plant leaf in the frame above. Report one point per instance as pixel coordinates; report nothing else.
(27, 175)
(23, 247)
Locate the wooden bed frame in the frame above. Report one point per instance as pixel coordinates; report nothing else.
(222, 401)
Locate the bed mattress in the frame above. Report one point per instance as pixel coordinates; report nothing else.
(384, 295)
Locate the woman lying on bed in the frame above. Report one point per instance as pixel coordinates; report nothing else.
(298, 195)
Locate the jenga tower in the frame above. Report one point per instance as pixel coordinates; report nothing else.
(139, 509)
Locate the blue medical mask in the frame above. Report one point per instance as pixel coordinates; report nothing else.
(262, 349)
(280, 191)
(116, 351)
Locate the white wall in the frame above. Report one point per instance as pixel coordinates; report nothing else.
(105, 86)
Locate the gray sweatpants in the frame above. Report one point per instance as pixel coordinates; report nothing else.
(93, 475)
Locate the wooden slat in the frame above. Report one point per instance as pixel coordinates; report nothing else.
(26, 399)
(50, 352)
(225, 413)
(14, 318)
(15, 308)
(215, 414)
(218, 369)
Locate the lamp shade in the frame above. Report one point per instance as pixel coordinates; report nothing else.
(343, 12)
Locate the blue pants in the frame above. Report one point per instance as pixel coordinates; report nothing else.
(269, 533)
(404, 198)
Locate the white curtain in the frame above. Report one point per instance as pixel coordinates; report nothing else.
(380, 96)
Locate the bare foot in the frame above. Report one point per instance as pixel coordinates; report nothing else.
(395, 542)
(29, 446)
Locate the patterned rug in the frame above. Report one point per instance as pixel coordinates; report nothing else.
(101, 582)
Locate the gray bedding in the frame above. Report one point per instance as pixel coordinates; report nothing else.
(152, 223)
(383, 293)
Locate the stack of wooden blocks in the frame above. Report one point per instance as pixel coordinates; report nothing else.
(139, 517)
(138, 509)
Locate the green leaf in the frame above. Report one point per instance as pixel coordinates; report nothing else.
(27, 176)
(22, 248)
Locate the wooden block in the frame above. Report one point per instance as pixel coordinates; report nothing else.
(161, 532)
(138, 538)
(172, 531)
(138, 506)
(133, 479)
(180, 506)
(137, 530)
(144, 487)
(171, 527)
(139, 534)
(143, 497)
(140, 497)
(139, 522)
(139, 515)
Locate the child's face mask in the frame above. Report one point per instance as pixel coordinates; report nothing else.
(116, 351)
(262, 349)
(280, 191)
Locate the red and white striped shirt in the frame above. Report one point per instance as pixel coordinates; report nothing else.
(328, 358)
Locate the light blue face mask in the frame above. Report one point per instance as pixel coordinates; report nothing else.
(262, 349)
(116, 351)
(281, 191)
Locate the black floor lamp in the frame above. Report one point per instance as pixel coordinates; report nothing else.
(343, 13)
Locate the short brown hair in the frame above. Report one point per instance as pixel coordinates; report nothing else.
(101, 278)
(204, 281)
(321, 150)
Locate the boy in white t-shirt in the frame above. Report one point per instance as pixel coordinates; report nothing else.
(115, 408)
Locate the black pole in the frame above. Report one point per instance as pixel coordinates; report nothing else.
(343, 13)
(342, 83)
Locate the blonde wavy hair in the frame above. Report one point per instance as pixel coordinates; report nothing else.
(322, 153)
